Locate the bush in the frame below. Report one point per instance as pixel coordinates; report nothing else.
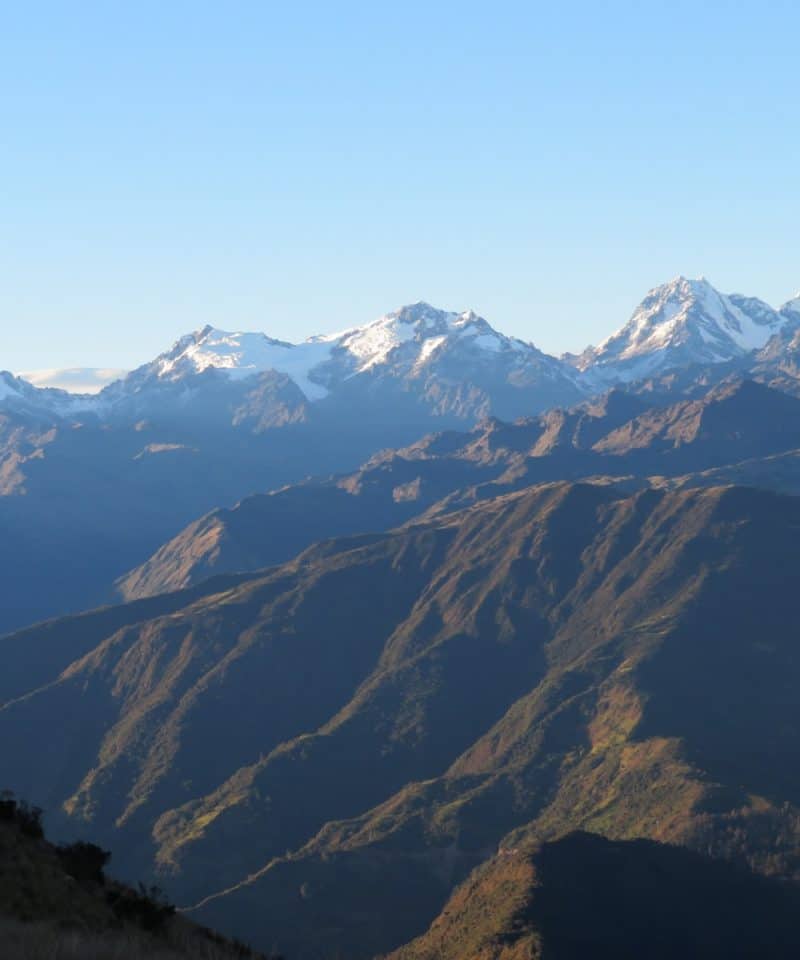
(146, 908)
(84, 862)
(8, 805)
(30, 820)
(27, 818)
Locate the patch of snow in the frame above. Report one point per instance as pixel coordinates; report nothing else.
(488, 341)
(372, 344)
(792, 306)
(726, 316)
(458, 321)
(7, 387)
(429, 347)
(242, 355)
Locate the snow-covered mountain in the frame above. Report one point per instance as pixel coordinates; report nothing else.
(10, 386)
(412, 343)
(19, 394)
(104, 480)
(440, 363)
(685, 322)
(791, 308)
(451, 363)
(97, 483)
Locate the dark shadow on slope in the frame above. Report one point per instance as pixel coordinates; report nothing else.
(639, 899)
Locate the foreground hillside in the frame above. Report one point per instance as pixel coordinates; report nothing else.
(56, 903)
(316, 755)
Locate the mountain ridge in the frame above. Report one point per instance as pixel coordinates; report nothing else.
(679, 322)
(407, 342)
(576, 620)
(617, 435)
(397, 705)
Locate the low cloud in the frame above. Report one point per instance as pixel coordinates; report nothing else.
(74, 379)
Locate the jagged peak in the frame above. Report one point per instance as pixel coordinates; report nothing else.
(9, 385)
(685, 321)
(792, 305)
(405, 342)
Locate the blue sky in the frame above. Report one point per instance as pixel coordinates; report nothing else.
(297, 168)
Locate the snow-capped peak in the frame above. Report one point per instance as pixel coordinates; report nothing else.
(415, 334)
(791, 308)
(241, 355)
(681, 322)
(9, 385)
(17, 392)
(403, 342)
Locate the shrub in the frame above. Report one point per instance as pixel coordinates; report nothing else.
(146, 907)
(27, 818)
(8, 805)
(30, 820)
(84, 862)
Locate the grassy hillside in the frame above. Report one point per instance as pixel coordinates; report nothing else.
(319, 754)
(57, 903)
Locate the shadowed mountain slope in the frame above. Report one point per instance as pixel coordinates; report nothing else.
(107, 480)
(104, 480)
(320, 752)
(618, 435)
(585, 896)
(651, 718)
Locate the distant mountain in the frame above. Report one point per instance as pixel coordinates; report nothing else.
(108, 479)
(451, 364)
(792, 308)
(350, 710)
(734, 432)
(318, 754)
(413, 344)
(19, 396)
(681, 323)
(105, 479)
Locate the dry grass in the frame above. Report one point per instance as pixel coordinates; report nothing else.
(42, 941)
(57, 904)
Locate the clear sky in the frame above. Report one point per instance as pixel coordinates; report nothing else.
(301, 167)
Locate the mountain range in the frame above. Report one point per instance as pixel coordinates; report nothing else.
(418, 643)
(317, 754)
(418, 349)
(736, 432)
(108, 478)
(678, 324)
